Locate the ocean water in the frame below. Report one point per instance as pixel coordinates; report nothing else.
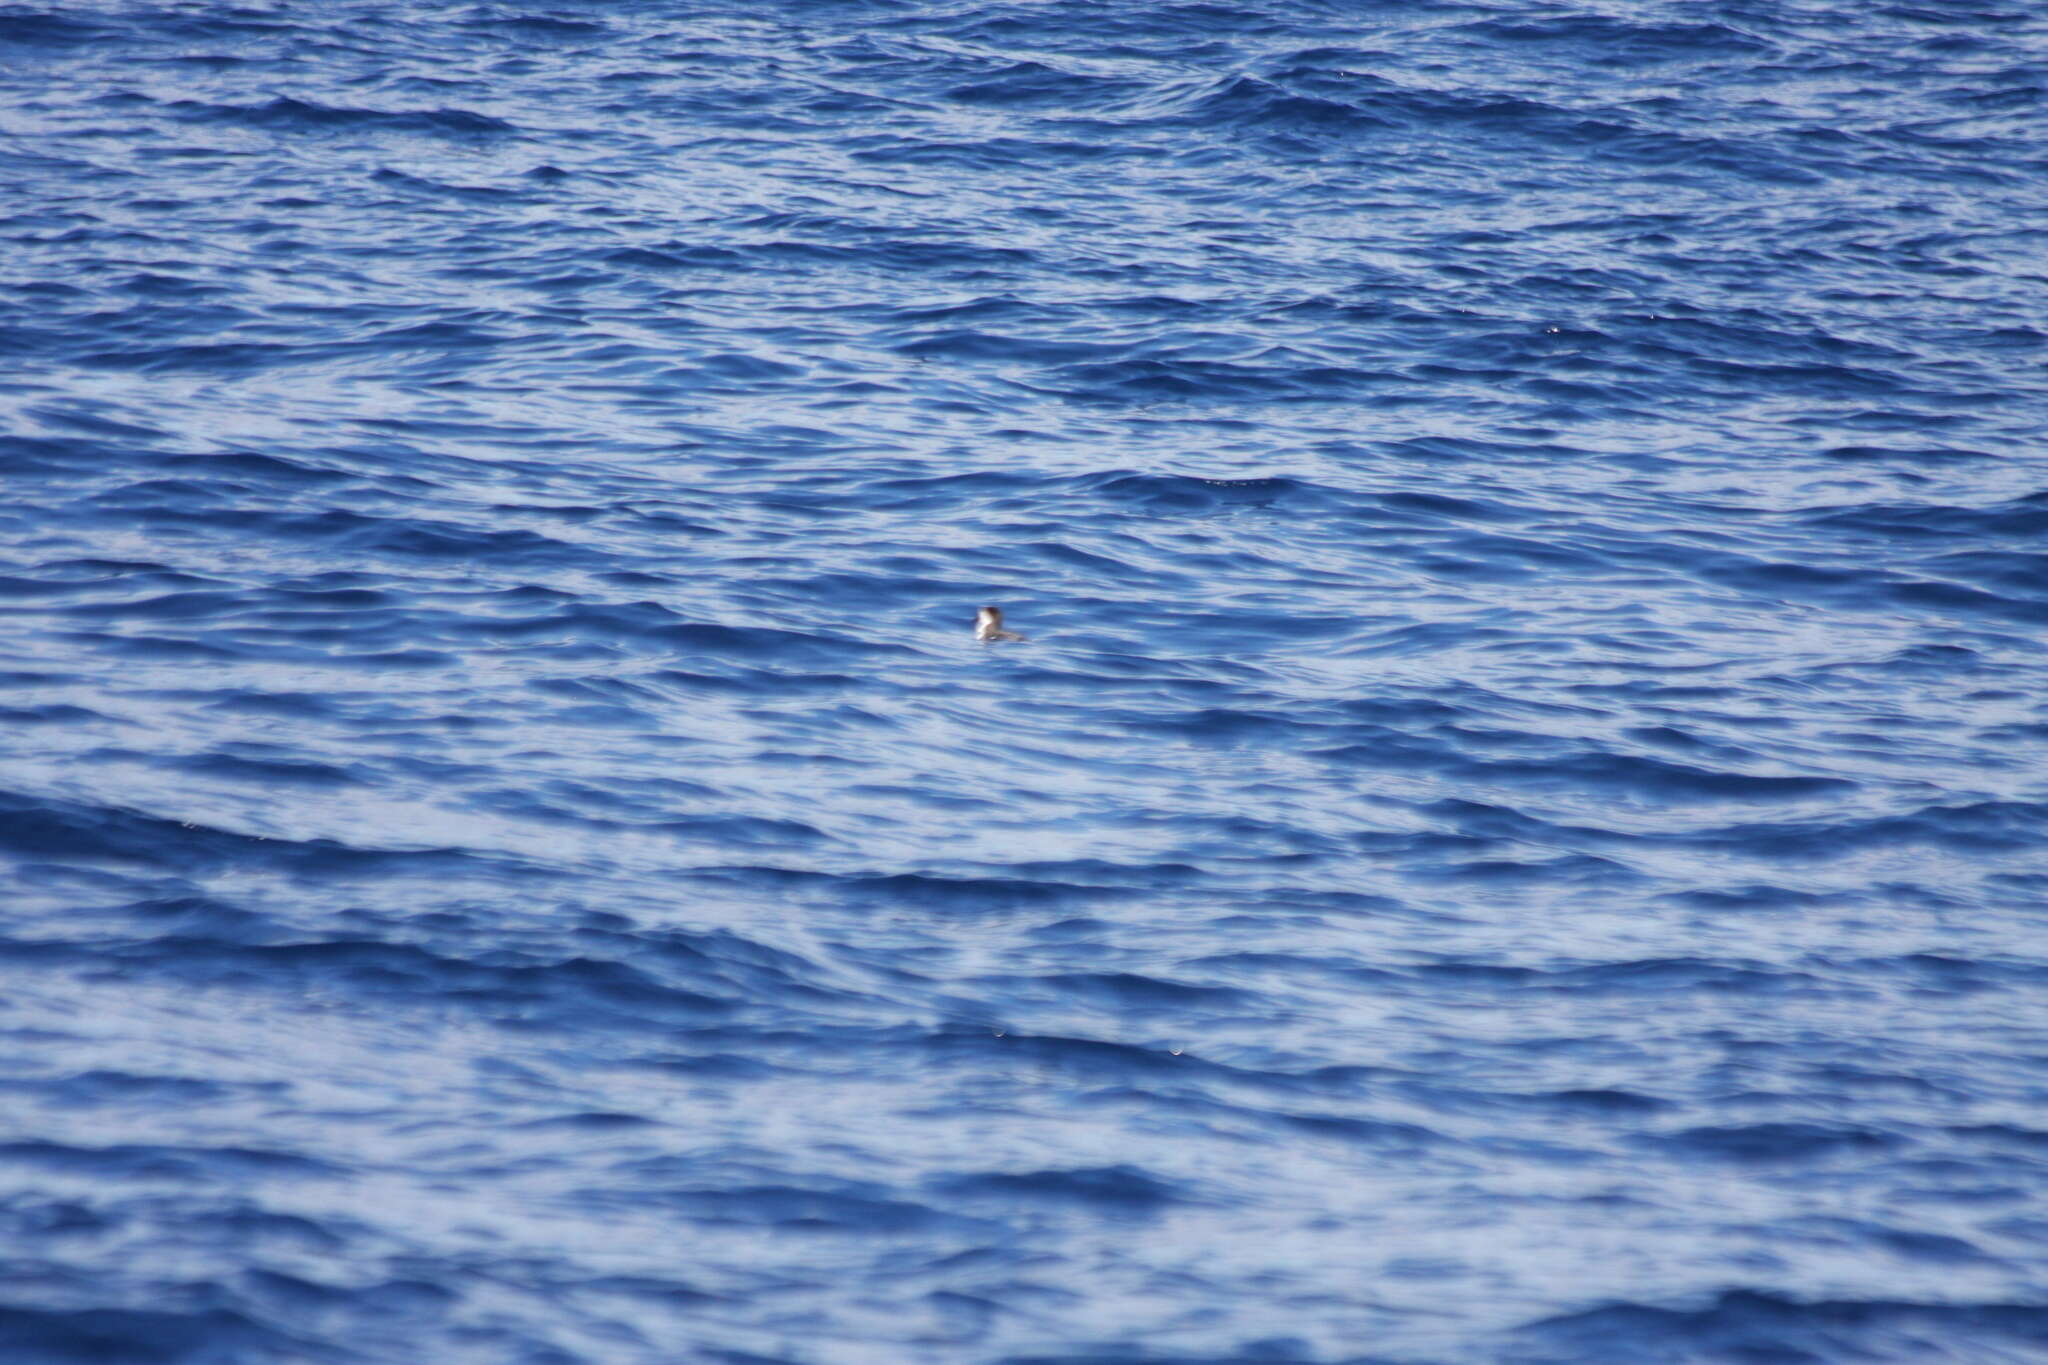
(1519, 833)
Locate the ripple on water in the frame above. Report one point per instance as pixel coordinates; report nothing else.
(1515, 835)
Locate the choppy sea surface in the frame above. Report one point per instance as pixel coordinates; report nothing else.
(1519, 834)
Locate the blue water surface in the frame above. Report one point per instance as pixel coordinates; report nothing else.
(1520, 833)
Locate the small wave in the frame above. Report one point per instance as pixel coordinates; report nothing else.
(1108, 1189)
(1032, 84)
(1610, 39)
(139, 1335)
(958, 894)
(798, 1209)
(542, 27)
(1212, 381)
(35, 828)
(419, 184)
(144, 1161)
(1776, 1143)
(285, 114)
(1183, 494)
(1745, 1323)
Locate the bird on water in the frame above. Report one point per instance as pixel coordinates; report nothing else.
(988, 627)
